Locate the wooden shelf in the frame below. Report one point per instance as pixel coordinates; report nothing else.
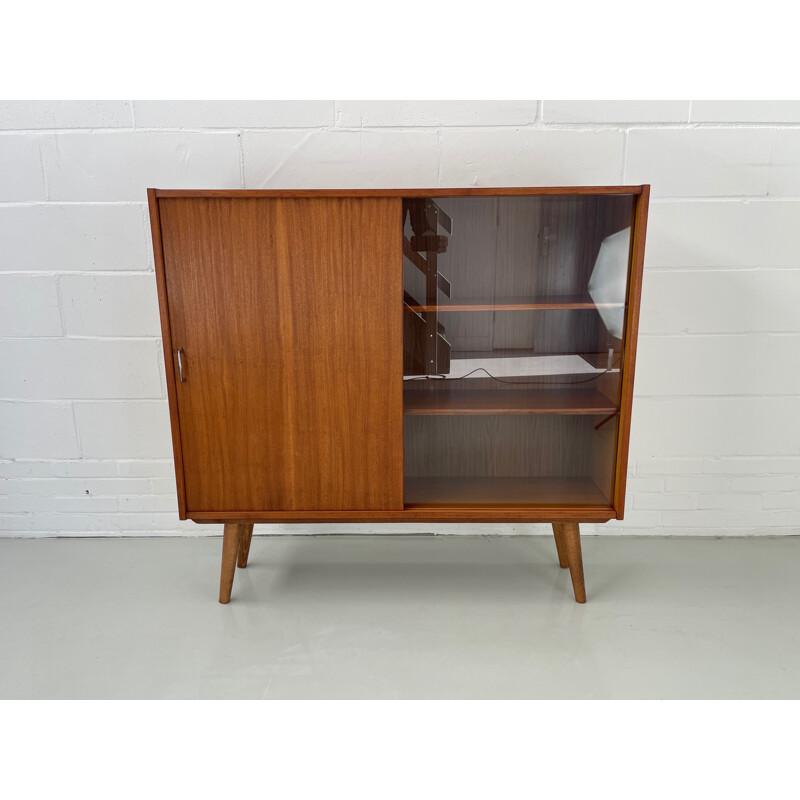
(507, 401)
(515, 304)
(480, 491)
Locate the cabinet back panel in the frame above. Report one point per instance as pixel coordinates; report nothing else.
(516, 247)
(288, 314)
(499, 445)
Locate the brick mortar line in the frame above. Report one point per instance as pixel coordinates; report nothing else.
(31, 273)
(51, 203)
(240, 141)
(85, 401)
(213, 530)
(60, 303)
(643, 335)
(717, 270)
(70, 337)
(658, 200)
(593, 127)
(534, 124)
(637, 396)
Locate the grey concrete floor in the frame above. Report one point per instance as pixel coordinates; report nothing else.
(400, 617)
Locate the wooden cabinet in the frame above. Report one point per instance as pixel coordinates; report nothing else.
(425, 355)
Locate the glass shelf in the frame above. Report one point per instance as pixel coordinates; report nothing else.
(515, 304)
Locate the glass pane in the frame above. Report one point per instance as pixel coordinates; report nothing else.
(514, 311)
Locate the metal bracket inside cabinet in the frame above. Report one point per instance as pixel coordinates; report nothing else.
(442, 218)
(426, 219)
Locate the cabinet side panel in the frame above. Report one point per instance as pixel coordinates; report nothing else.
(629, 345)
(289, 315)
(166, 339)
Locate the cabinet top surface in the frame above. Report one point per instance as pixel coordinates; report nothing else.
(471, 191)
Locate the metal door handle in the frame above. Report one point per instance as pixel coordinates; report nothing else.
(180, 365)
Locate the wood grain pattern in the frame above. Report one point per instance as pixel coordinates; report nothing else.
(499, 446)
(561, 544)
(230, 548)
(600, 512)
(166, 341)
(572, 540)
(542, 250)
(629, 346)
(604, 452)
(470, 191)
(289, 317)
(244, 545)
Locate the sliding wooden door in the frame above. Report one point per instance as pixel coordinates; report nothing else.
(286, 337)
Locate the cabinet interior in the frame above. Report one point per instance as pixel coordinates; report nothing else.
(513, 321)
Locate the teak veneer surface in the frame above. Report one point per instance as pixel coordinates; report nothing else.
(469, 191)
(491, 512)
(286, 311)
(635, 272)
(286, 305)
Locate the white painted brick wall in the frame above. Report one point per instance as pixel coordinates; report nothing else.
(700, 365)
(23, 176)
(18, 299)
(233, 114)
(784, 175)
(620, 111)
(530, 156)
(109, 305)
(340, 158)
(114, 166)
(720, 301)
(72, 368)
(717, 234)
(80, 237)
(701, 162)
(70, 114)
(446, 113)
(85, 447)
(745, 111)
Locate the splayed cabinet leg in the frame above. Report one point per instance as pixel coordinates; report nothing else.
(230, 549)
(561, 547)
(572, 541)
(244, 543)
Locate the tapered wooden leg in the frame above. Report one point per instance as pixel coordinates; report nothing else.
(561, 548)
(230, 549)
(244, 544)
(572, 540)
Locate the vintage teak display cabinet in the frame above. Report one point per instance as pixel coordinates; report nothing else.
(437, 355)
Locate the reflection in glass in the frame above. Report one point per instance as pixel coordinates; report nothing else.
(514, 312)
(609, 280)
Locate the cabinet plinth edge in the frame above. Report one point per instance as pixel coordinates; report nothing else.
(429, 514)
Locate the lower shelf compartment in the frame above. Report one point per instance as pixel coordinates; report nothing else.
(482, 492)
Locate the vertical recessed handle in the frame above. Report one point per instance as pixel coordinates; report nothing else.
(180, 365)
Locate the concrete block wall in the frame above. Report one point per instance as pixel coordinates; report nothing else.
(84, 430)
